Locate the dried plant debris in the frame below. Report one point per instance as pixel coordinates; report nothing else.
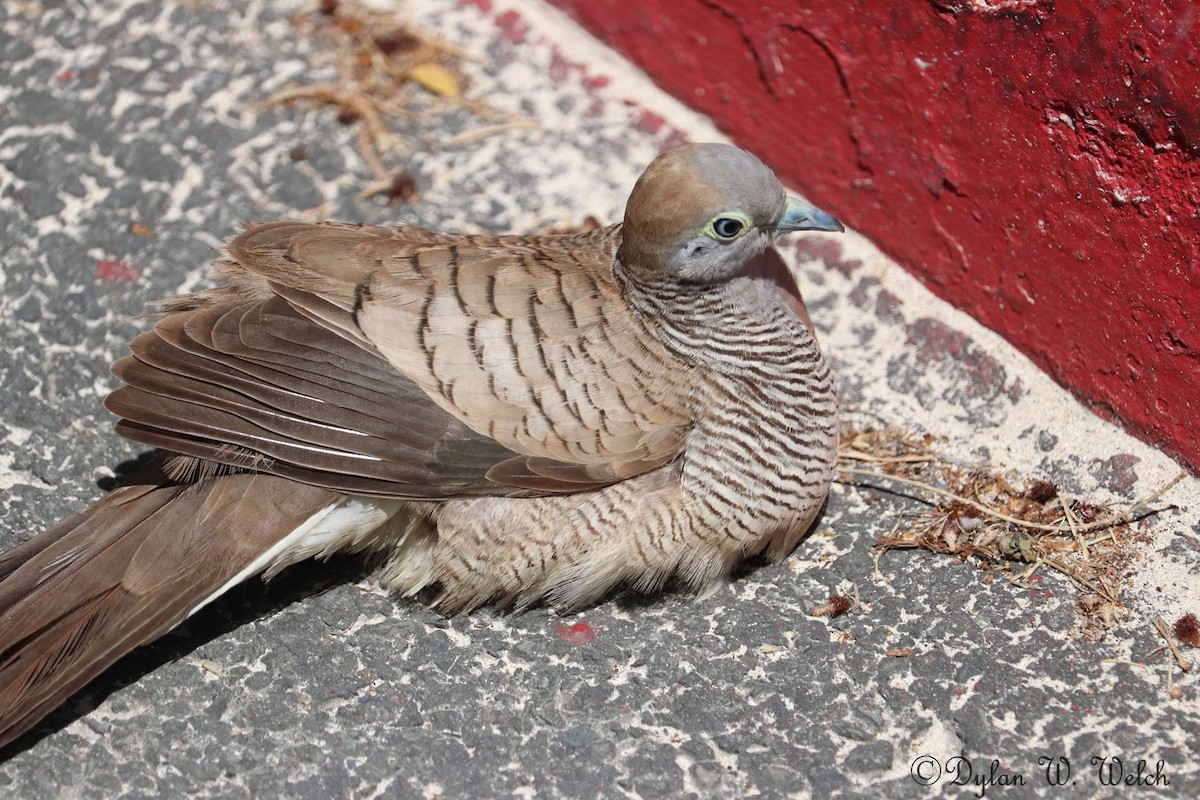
(1165, 633)
(401, 189)
(387, 72)
(1000, 522)
(838, 604)
(1187, 630)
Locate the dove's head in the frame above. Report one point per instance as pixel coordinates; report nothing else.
(700, 212)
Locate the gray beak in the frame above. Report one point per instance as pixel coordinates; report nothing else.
(800, 216)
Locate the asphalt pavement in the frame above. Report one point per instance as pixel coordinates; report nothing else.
(134, 139)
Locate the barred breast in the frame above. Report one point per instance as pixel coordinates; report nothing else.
(752, 476)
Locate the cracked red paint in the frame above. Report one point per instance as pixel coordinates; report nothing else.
(649, 122)
(513, 27)
(116, 271)
(1036, 163)
(580, 633)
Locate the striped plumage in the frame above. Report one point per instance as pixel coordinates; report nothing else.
(513, 419)
(753, 474)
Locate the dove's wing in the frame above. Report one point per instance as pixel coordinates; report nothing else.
(404, 363)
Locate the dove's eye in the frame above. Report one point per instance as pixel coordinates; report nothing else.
(727, 227)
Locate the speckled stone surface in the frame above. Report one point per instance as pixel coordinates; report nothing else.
(319, 685)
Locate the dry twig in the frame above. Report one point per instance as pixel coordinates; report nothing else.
(1070, 527)
(1163, 631)
(981, 515)
(387, 70)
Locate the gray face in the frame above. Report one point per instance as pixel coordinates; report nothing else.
(748, 199)
(704, 259)
(700, 212)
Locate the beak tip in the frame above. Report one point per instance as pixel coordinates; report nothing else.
(820, 220)
(802, 216)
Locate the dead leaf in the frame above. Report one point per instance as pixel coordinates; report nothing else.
(436, 79)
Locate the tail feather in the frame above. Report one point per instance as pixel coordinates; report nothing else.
(124, 572)
(51, 550)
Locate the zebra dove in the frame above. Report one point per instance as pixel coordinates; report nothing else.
(511, 419)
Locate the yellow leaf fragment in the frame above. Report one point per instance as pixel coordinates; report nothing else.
(436, 78)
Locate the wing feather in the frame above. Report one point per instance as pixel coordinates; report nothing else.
(401, 362)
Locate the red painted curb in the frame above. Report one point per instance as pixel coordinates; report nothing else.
(1037, 164)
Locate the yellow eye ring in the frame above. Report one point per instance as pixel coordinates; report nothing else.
(727, 226)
